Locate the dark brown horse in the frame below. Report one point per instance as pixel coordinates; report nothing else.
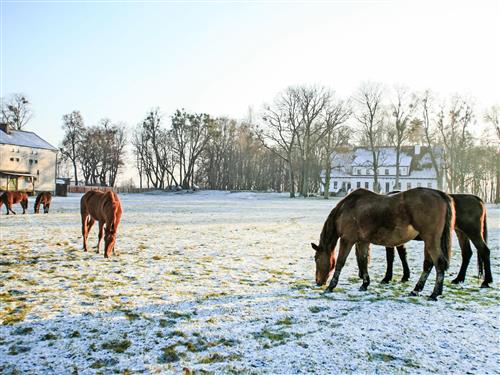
(105, 208)
(470, 225)
(12, 197)
(44, 197)
(365, 217)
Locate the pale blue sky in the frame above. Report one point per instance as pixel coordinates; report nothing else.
(118, 59)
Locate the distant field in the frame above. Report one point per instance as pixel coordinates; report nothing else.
(224, 283)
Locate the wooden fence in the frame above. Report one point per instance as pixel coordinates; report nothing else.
(84, 189)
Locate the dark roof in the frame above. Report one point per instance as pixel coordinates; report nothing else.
(24, 138)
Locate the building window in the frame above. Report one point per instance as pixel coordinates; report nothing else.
(17, 159)
(334, 184)
(419, 184)
(36, 161)
(359, 170)
(386, 171)
(27, 179)
(11, 159)
(429, 184)
(358, 184)
(31, 161)
(367, 185)
(408, 186)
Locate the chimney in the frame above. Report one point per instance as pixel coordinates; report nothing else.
(417, 149)
(5, 127)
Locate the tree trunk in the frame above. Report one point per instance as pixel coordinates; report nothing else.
(291, 178)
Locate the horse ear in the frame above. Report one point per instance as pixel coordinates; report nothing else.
(314, 246)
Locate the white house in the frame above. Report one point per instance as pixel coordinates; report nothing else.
(27, 162)
(353, 169)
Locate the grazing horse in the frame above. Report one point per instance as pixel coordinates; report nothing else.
(43, 198)
(470, 225)
(105, 208)
(12, 197)
(365, 217)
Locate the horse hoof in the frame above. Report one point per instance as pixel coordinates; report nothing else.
(328, 291)
(413, 293)
(405, 279)
(485, 285)
(363, 288)
(384, 281)
(457, 281)
(432, 297)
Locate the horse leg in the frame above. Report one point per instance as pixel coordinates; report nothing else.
(101, 234)
(425, 274)
(484, 253)
(360, 266)
(363, 257)
(440, 268)
(466, 250)
(404, 263)
(9, 208)
(87, 223)
(389, 256)
(344, 250)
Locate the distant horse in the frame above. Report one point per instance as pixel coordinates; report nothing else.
(470, 225)
(12, 197)
(43, 198)
(105, 208)
(365, 217)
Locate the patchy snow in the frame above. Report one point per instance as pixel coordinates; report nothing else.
(224, 282)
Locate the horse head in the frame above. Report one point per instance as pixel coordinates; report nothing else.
(325, 262)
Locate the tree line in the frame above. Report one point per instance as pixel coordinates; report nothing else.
(288, 144)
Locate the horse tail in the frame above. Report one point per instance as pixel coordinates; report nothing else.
(449, 224)
(480, 263)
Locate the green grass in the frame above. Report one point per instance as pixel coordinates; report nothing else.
(118, 346)
(169, 354)
(49, 336)
(217, 357)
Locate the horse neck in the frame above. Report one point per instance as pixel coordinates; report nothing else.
(329, 234)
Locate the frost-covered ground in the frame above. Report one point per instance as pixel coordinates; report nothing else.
(224, 283)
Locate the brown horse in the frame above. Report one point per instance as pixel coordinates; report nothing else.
(105, 208)
(470, 225)
(43, 198)
(12, 197)
(365, 217)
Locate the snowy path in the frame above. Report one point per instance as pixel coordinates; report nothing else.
(224, 283)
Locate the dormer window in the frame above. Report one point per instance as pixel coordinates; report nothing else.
(386, 171)
(359, 170)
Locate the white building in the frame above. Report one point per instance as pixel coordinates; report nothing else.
(27, 162)
(353, 169)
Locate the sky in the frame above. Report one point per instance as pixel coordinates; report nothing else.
(118, 59)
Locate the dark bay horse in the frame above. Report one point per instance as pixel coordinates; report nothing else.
(365, 217)
(44, 198)
(470, 225)
(105, 208)
(12, 197)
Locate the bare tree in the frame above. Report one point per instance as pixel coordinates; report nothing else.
(189, 134)
(402, 109)
(16, 111)
(430, 136)
(453, 125)
(492, 116)
(280, 134)
(370, 117)
(73, 127)
(312, 101)
(334, 135)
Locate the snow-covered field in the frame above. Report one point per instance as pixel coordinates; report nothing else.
(224, 283)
